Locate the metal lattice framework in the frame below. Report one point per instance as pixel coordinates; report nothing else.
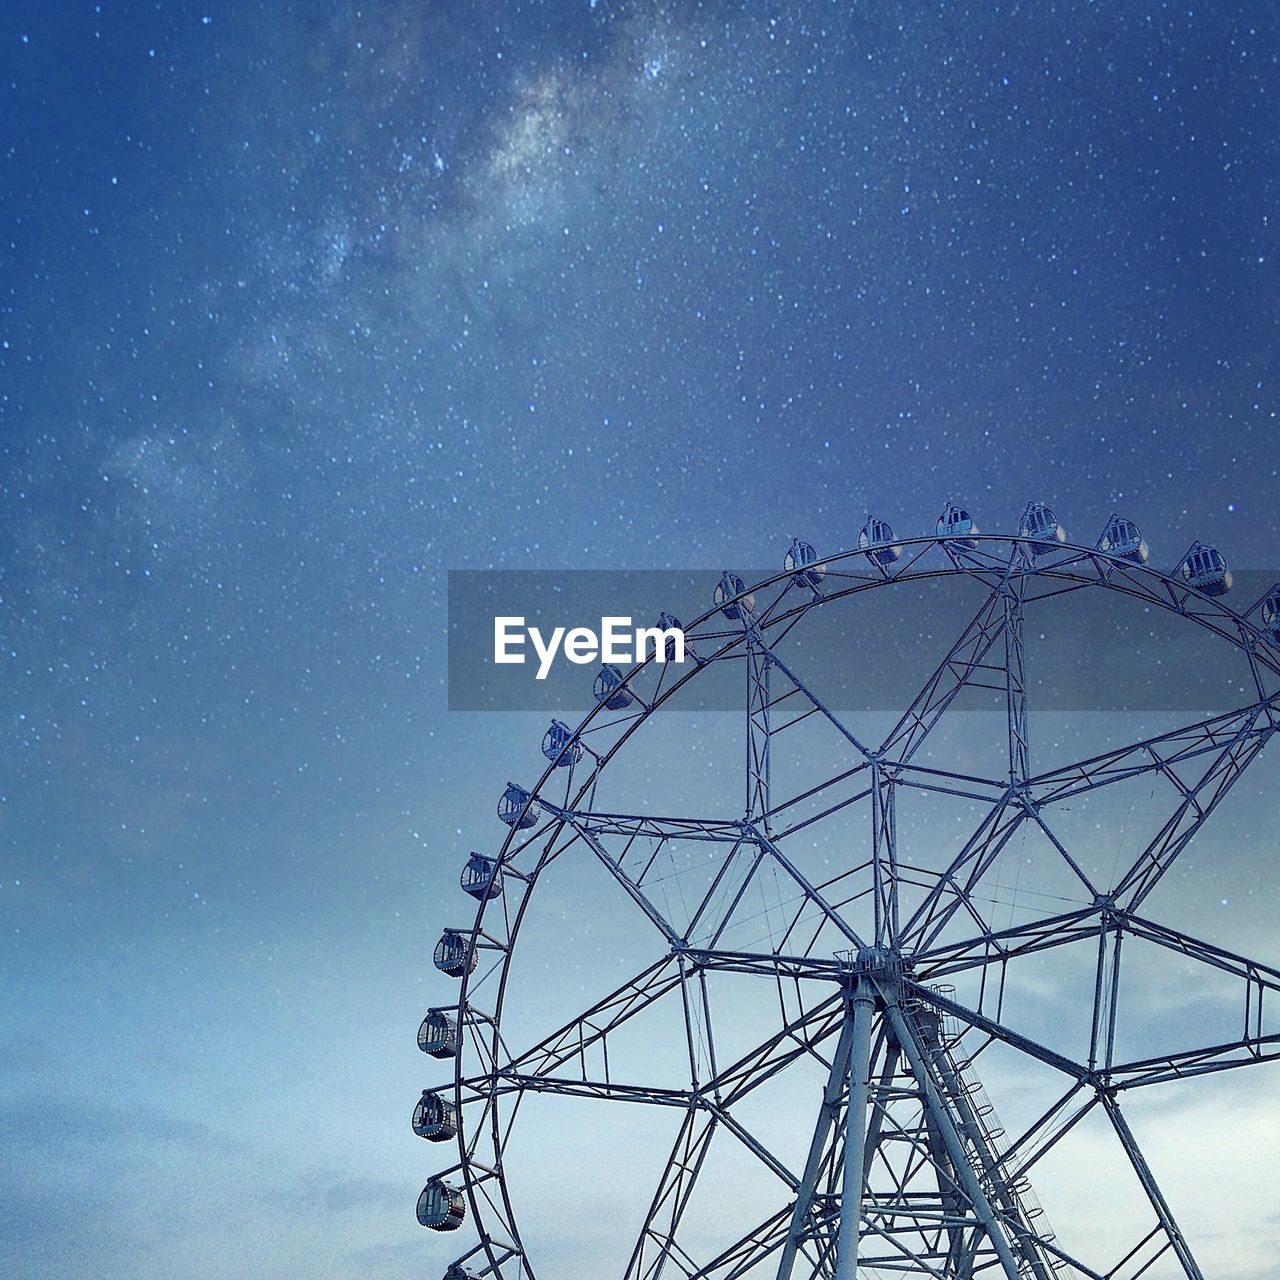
(886, 975)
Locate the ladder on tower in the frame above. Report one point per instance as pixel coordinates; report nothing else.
(986, 1141)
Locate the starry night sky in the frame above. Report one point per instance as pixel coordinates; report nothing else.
(302, 305)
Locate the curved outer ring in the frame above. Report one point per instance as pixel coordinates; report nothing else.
(1222, 620)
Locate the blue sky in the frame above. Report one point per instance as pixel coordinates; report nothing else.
(302, 306)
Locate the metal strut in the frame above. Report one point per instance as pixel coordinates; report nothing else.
(963, 1170)
(855, 1132)
(831, 1099)
(1161, 1206)
(759, 729)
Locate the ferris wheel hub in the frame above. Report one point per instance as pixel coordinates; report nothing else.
(880, 962)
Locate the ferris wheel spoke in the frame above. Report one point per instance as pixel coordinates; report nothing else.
(834, 804)
(997, 1030)
(713, 830)
(966, 786)
(658, 1243)
(1061, 849)
(884, 856)
(764, 701)
(816, 704)
(812, 895)
(797, 1039)
(746, 1253)
(1199, 800)
(634, 865)
(733, 1125)
(1265, 976)
(985, 948)
(1163, 754)
(591, 1030)
(1255, 1044)
(1015, 682)
(1245, 1052)
(965, 661)
(540, 1068)
(630, 886)
(506, 1081)
(1048, 1129)
(759, 730)
(948, 895)
(709, 895)
(766, 964)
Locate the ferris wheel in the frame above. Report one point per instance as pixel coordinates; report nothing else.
(808, 991)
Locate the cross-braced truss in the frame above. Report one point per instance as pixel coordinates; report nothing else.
(837, 955)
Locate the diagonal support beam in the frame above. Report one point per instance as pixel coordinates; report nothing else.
(1162, 754)
(630, 887)
(656, 1244)
(812, 893)
(989, 1026)
(1199, 801)
(1165, 1215)
(957, 669)
(981, 1206)
(818, 705)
